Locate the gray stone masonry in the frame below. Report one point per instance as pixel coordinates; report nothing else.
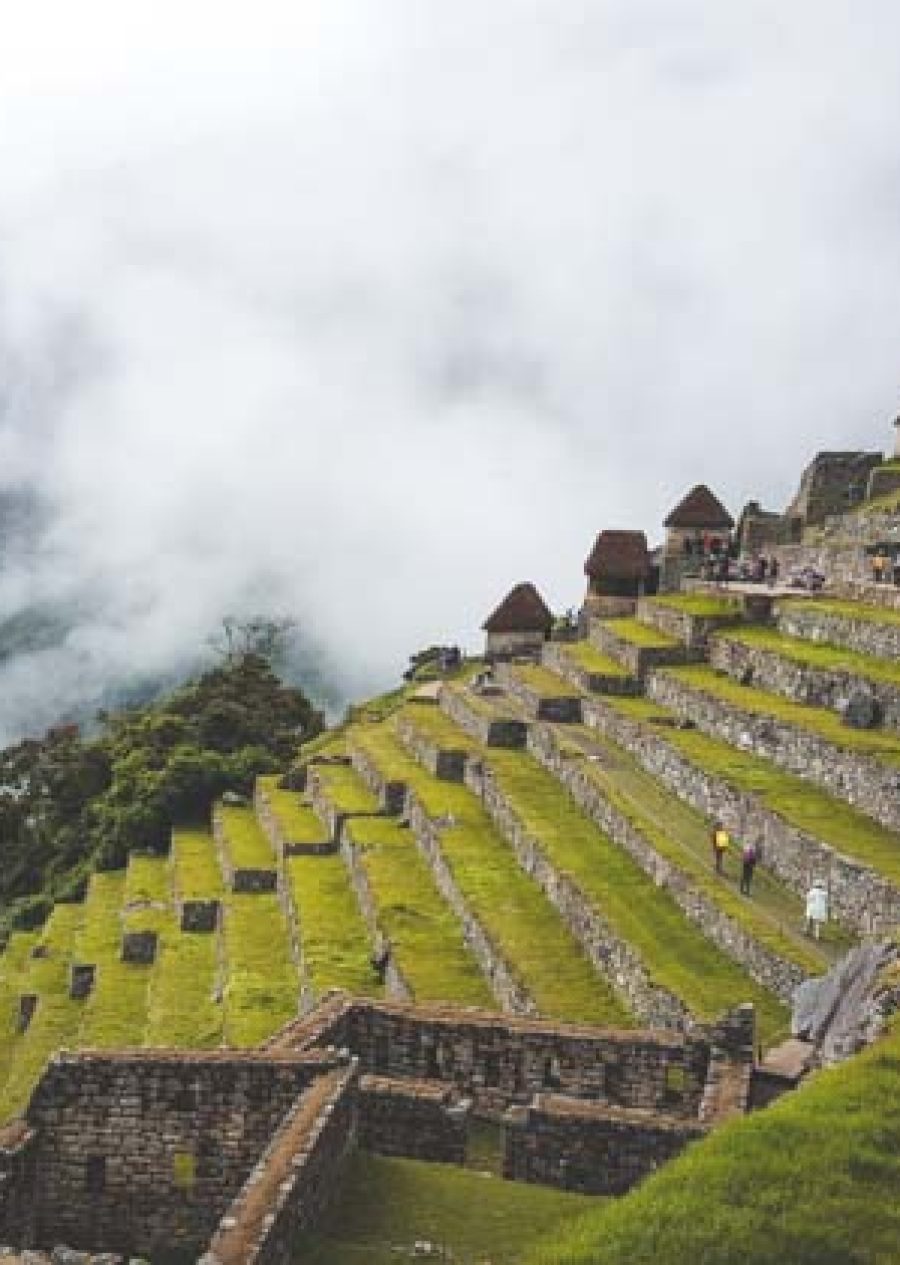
(820, 687)
(583, 1147)
(446, 763)
(139, 947)
(556, 659)
(693, 631)
(492, 731)
(28, 1004)
(764, 965)
(248, 881)
(868, 636)
(861, 899)
(17, 1145)
(81, 980)
(867, 784)
(638, 659)
(560, 709)
(422, 1120)
(615, 959)
(395, 982)
(200, 916)
(282, 845)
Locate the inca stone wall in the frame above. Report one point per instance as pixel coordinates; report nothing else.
(421, 1120)
(588, 682)
(17, 1182)
(820, 687)
(396, 984)
(487, 729)
(870, 786)
(587, 1148)
(639, 660)
(861, 899)
(445, 763)
(240, 879)
(693, 631)
(282, 845)
(561, 710)
(868, 636)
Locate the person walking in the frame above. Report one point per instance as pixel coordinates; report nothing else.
(720, 843)
(816, 908)
(748, 865)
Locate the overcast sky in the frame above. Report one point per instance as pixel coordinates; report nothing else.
(363, 310)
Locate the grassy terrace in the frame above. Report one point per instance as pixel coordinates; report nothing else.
(195, 866)
(796, 801)
(333, 936)
(13, 966)
(544, 682)
(879, 744)
(638, 634)
(425, 934)
(115, 1014)
(385, 1206)
(513, 911)
(701, 605)
(298, 823)
(146, 880)
(344, 789)
(438, 728)
(181, 1009)
(817, 654)
(262, 988)
(245, 840)
(848, 610)
(811, 1181)
(57, 1017)
(587, 657)
(675, 953)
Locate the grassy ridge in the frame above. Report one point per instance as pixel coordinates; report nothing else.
(848, 610)
(544, 682)
(182, 1010)
(13, 966)
(816, 654)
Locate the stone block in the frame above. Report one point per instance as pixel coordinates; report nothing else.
(139, 947)
(81, 980)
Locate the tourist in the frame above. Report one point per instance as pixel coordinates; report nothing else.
(748, 865)
(896, 570)
(879, 563)
(773, 571)
(816, 908)
(719, 846)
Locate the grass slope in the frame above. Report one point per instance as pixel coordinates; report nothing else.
(848, 610)
(115, 1013)
(262, 990)
(811, 1181)
(334, 939)
(702, 605)
(585, 655)
(195, 866)
(817, 654)
(245, 841)
(638, 634)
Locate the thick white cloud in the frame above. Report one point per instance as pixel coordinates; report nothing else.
(366, 309)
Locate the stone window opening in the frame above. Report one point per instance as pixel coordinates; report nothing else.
(492, 1071)
(552, 1072)
(95, 1174)
(382, 1052)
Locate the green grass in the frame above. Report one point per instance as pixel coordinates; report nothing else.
(344, 789)
(543, 682)
(146, 880)
(245, 840)
(13, 966)
(803, 806)
(196, 872)
(115, 1013)
(514, 912)
(262, 987)
(426, 936)
(878, 744)
(181, 1008)
(811, 1181)
(675, 953)
(56, 1022)
(298, 823)
(385, 1206)
(701, 605)
(846, 609)
(638, 634)
(586, 656)
(438, 728)
(817, 654)
(334, 939)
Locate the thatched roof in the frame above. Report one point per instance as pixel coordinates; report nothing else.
(701, 509)
(522, 610)
(618, 555)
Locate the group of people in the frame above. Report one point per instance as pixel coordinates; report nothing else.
(816, 909)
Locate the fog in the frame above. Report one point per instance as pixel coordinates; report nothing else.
(361, 311)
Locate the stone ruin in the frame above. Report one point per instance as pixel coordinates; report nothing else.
(226, 1156)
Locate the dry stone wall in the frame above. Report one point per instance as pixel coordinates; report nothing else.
(867, 784)
(448, 764)
(421, 1120)
(282, 845)
(587, 682)
(861, 899)
(693, 631)
(558, 709)
(638, 659)
(395, 982)
(489, 730)
(867, 636)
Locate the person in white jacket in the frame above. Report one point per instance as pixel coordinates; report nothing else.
(816, 908)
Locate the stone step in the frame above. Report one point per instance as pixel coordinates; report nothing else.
(800, 832)
(859, 766)
(637, 647)
(810, 672)
(868, 630)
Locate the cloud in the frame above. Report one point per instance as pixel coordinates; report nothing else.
(365, 310)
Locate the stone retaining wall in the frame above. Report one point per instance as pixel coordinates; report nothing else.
(17, 1149)
(594, 1150)
(489, 730)
(397, 986)
(447, 764)
(867, 636)
(294, 1180)
(143, 1152)
(639, 660)
(587, 682)
(615, 959)
(763, 965)
(200, 916)
(860, 898)
(421, 1120)
(868, 785)
(250, 881)
(281, 845)
(693, 631)
(558, 709)
(820, 687)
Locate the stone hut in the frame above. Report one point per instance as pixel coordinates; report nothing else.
(618, 565)
(698, 515)
(519, 626)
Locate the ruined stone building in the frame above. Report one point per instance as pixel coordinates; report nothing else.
(699, 515)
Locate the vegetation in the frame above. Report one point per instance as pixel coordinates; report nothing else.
(543, 682)
(244, 840)
(701, 605)
(334, 941)
(879, 744)
(812, 1181)
(638, 634)
(344, 789)
(849, 610)
(586, 655)
(384, 1207)
(297, 823)
(195, 866)
(817, 654)
(184, 1005)
(425, 935)
(115, 1013)
(262, 990)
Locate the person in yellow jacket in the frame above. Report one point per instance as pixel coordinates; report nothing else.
(720, 845)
